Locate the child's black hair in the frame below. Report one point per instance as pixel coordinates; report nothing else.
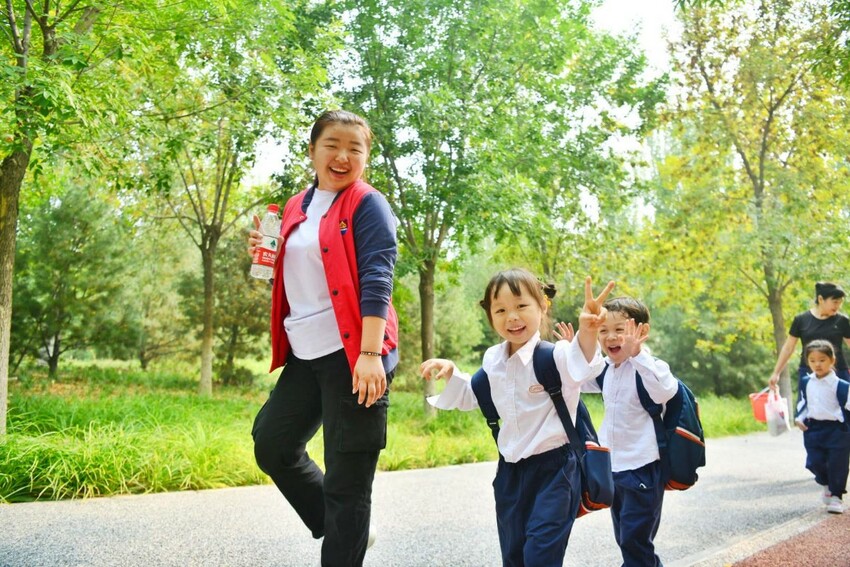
(630, 307)
(821, 346)
(516, 279)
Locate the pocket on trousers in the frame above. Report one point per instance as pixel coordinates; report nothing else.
(257, 420)
(361, 428)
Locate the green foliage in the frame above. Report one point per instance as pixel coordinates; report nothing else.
(111, 430)
(70, 266)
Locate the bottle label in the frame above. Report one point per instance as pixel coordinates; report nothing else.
(266, 252)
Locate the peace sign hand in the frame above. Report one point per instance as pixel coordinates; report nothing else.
(592, 313)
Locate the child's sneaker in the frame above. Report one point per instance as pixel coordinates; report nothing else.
(835, 506)
(826, 497)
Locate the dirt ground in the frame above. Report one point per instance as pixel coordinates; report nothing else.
(827, 544)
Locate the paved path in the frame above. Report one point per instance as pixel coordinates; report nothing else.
(753, 492)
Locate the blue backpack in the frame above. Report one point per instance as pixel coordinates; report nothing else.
(678, 431)
(597, 482)
(842, 391)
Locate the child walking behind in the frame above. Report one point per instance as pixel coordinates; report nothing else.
(537, 481)
(822, 399)
(627, 428)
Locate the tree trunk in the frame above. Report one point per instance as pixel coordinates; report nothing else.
(426, 309)
(230, 359)
(53, 358)
(12, 171)
(774, 302)
(205, 388)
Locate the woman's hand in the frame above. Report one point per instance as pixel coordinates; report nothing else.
(773, 383)
(564, 332)
(368, 381)
(255, 237)
(436, 368)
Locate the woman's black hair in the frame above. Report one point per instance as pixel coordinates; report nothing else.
(329, 117)
(828, 290)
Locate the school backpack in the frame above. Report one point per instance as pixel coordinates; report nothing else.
(594, 461)
(841, 392)
(678, 431)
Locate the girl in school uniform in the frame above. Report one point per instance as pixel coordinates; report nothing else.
(822, 417)
(537, 481)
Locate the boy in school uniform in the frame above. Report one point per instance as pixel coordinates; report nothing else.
(628, 429)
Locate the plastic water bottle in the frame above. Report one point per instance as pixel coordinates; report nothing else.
(265, 254)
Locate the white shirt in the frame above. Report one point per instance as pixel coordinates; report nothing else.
(822, 399)
(529, 422)
(311, 324)
(627, 429)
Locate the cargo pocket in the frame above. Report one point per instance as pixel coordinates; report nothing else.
(361, 428)
(257, 420)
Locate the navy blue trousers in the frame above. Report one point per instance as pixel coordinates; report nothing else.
(638, 496)
(536, 504)
(828, 453)
(335, 504)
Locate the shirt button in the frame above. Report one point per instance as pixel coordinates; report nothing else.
(345, 335)
(325, 249)
(335, 292)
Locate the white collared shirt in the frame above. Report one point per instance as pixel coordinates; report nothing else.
(627, 429)
(529, 422)
(311, 324)
(822, 399)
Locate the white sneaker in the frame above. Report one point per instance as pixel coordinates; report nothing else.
(373, 535)
(826, 497)
(835, 506)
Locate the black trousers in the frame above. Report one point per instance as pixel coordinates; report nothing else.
(336, 504)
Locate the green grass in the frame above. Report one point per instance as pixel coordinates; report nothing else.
(106, 430)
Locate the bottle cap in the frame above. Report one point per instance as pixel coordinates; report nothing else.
(273, 208)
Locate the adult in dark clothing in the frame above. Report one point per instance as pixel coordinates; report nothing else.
(823, 321)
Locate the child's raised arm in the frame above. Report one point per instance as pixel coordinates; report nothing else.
(591, 318)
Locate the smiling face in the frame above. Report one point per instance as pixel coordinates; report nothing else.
(339, 155)
(820, 363)
(516, 318)
(611, 337)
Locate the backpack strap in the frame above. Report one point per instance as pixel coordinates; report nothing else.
(654, 410)
(481, 388)
(546, 372)
(600, 380)
(801, 395)
(843, 389)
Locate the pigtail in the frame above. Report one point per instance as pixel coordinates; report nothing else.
(548, 290)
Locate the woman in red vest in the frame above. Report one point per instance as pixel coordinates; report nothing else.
(335, 332)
